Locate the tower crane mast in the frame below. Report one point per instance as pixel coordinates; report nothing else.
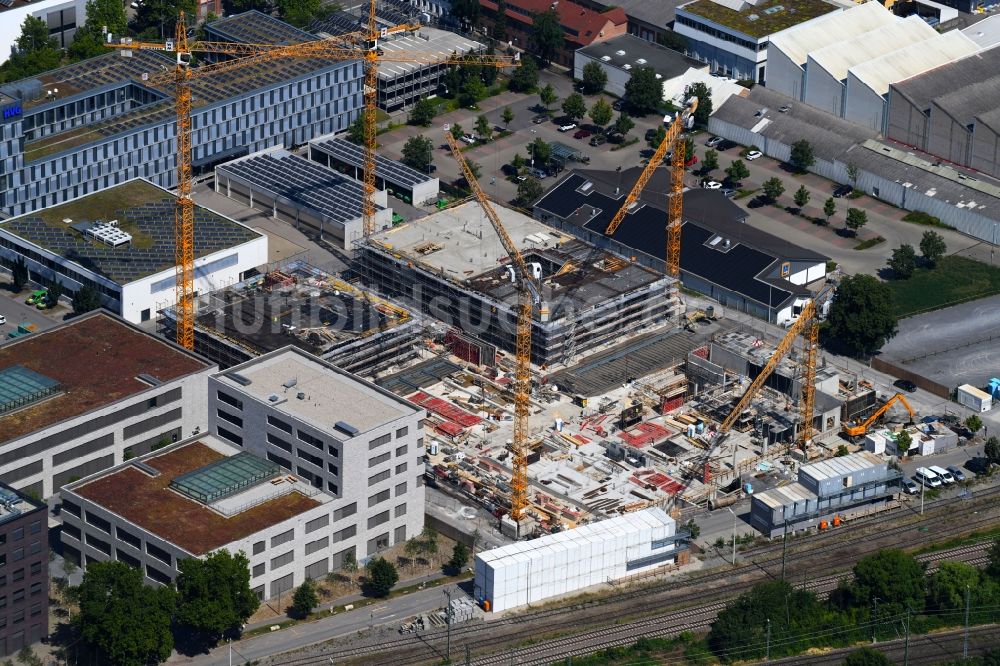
(362, 45)
(527, 295)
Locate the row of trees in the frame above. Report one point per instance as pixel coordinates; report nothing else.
(890, 593)
(904, 260)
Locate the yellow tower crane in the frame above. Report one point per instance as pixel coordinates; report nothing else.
(675, 205)
(528, 294)
(361, 45)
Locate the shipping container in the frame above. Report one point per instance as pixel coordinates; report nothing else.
(531, 571)
(833, 476)
(975, 399)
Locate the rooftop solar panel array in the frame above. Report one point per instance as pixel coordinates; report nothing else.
(388, 170)
(152, 248)
(253, 27)
(303, 182)
(337, 23)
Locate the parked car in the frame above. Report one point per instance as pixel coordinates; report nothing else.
(568, 127)
(582, 134)
(714, 141)
(521, 179)
(598, 140)
(712, 185)
(910, 487)
(728, 191)
(905, 385)
(784, 108)
(754, 154)
(691, 161)
(956, 473)
(469, 139)
(618, 105)
(539, 173)
(539, 119)
(36, 296)
(3, 320)
(843, 191)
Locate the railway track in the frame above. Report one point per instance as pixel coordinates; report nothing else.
(480, 637)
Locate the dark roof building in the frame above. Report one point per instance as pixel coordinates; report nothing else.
(24, 553)
(722, 256)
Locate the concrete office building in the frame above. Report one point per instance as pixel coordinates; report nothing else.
(107, 125)
(453, 266)
(732, 36)
(120, 241)
(619, 56)
(61, 16)
(952, 112)
(115, 392)
(355, 441)
(192, 499)
(24, 555)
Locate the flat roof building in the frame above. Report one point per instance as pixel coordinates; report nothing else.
(24, 551)
(113, 118)
(733, 36)
(60, 421)
(61, 16)
(619, 56)
(452, 264)
(721, 255)
(120, 242)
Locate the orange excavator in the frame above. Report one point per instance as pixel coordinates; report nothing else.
(860, 429)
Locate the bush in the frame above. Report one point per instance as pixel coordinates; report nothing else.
(304, 599)
(919, 217)
(382, 576)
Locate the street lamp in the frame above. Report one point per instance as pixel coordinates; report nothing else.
(729, 509)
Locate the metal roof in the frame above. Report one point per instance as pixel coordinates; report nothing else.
(837, 58)
(986, 33)
(903, 63)
(631, 52)
(965, 76)
(799, 41)
(392, 171)
(842, 466)
(426, 40)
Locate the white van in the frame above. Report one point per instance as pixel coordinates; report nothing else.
(927, 478)
(945, 475)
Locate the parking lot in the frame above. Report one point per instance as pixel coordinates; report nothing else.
(13, 308)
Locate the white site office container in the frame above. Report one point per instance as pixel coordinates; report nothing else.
(531, 571)
(974, 398)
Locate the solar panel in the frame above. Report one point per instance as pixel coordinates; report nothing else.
(391, 171)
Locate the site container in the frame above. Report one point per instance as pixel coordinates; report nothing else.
(833, 476)
(530, 571)
(974, 398)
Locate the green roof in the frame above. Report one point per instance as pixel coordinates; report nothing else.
(766, 18)
(224, 477)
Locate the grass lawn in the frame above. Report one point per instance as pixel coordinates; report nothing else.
(954, 280)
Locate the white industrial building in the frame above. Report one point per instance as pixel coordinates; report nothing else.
(195, 498)
(527, 572)
(844, 63)
(62, 17)
(88, 394)
(120, 241)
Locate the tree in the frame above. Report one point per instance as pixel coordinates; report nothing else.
(382, 576)
(829, 208)
(856, 218)
(594, 78)
(452, 82)
(35, 51)
(55, 292)
(842, 451)
(423, 112)
(525, 78)
(156, 18)
(214, 594)
(692, 528)
(993, 565)
(600, 113)
(457, 131)
(862, 314)
(483, 128)
(992, 452)
(529, 190)
(903, 261)
(903, 442)
(459, 556)
(946, 587)
(121, 620)
(475, 168)
(624, 124)
(932, 246)
(473, 90)
(547, 96)
(547, 35)
(659, 135)
(867, 657)
(304, 599)
(356, 130)
(737, 171)
(89, 39)
(467, 11)
(710, 161)
(644, 91)
(773, 188)
(688, 148)
(417, 153)
(507, 117)
(974, 424)
(540, 151)
(574, 107)
(852, 174)
(704, 95)
(349, 563)
(802, 156)
(894, 577)
(801, 197)
(517, 161)
(20, 274)
(500, 24)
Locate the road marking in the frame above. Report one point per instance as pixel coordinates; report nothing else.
(388, 616)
